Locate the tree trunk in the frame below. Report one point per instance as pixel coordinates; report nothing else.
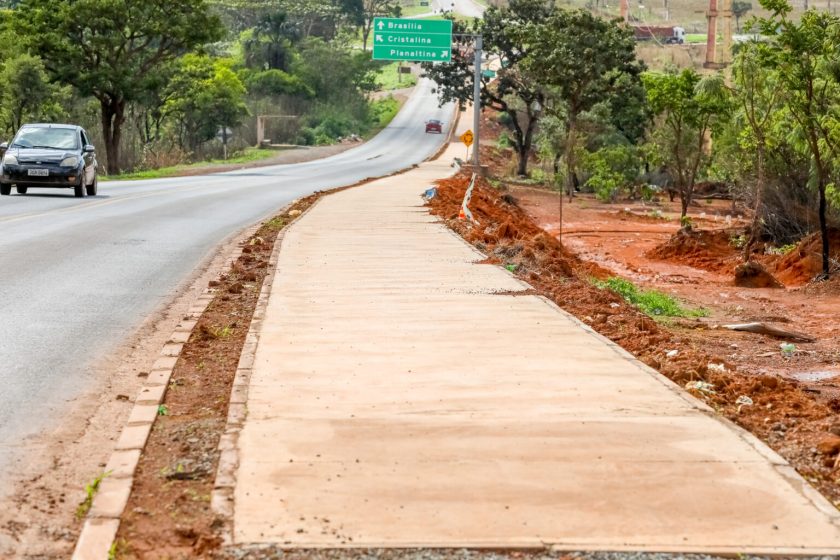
(571, 130)
(822, 178)
(826, 265)
(527, 141)
(113, 117)
(759, 200)
(366, 28)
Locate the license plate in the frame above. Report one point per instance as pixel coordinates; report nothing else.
(39, 172)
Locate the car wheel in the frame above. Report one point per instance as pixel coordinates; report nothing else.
(5, 190)
(22, 190)
(79, 190)
(92, 188)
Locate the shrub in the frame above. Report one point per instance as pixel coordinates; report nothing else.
(611, 170)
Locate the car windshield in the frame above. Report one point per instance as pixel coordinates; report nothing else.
(54, 138)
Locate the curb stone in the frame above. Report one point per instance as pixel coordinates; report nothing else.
(221, 500)
(103, 520)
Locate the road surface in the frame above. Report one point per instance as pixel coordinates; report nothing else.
(79, 276)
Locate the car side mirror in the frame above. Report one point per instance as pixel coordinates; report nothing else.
(89, 148)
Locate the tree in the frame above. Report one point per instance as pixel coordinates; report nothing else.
(204, 96)
(269, 44)
(27, 91)
(687, 108)
(514, 93)
(757, 91)
(112, 49)
(584, 60)
(739, 10)
(373, 9)
(806, 55)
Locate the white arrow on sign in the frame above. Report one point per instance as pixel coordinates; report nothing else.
(381, 25)
(445, 54)
(379, 38)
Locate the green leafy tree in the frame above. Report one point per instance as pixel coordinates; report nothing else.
(204, 96)
(687, 109)
(583, 60)
(612, 169)
(513, 93)
(28, 94)
(739, 10)
(373, 9)
(806, 55)
(113, 49)
(269, 43)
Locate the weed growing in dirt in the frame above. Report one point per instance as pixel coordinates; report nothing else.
(738, 241)
(162, 410)
(783, 250)
(90, 493)
(651, 302)
(276, 222)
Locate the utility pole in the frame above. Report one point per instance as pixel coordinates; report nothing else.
(479, 46)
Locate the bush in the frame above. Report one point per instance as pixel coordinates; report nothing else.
(612, 170)
(383, 111)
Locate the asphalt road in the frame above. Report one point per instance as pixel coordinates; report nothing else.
(79, 276)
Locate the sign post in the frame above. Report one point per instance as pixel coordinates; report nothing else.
(412, 40)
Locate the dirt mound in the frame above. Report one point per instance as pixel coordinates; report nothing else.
(754, 275)
(802, 264)
(504, 231)
(710, 250)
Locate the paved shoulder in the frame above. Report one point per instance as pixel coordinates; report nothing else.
(402, 397)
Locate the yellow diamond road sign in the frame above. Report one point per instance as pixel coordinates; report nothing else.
(467, 138)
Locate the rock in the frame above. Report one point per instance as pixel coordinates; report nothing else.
(835, 429)
(829, 445)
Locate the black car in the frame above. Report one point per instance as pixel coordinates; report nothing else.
(49, 156)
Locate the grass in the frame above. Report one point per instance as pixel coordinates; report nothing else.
(90, 493)
(651, 302)
(415, 9)
(248, 155)
(695, 37)
(388, 78)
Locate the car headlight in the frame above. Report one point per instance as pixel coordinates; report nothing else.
(71, 161)
(10, 160)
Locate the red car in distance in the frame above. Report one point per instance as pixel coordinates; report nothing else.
(434, 126)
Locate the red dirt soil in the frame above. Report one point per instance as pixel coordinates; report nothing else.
(784, 415)
(801, 265)
(710, 250)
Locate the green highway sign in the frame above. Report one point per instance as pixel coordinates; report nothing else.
(412, 40)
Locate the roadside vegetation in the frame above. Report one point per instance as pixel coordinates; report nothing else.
(166, 84)
(581, 111)
(653, 303)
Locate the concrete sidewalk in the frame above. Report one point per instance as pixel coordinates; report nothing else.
(398, 400)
